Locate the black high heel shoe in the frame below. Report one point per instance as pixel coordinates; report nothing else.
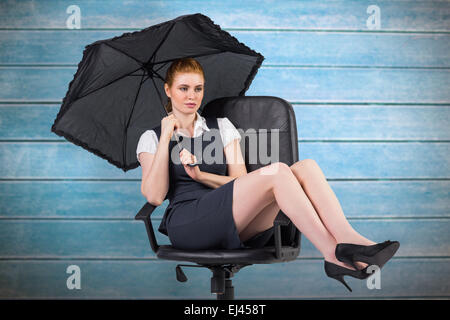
(377, 254)
(337, 272)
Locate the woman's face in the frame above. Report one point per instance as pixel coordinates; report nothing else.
(186, 92)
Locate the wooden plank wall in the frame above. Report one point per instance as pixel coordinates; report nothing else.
(372, 108)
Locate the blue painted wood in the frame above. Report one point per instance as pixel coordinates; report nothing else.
(310, 84)
(127, 239)
(373, 123)
(314, 122)
(396, 15)
(72, 199)
(102, 199)
(371, 109)
(331, 48)
(295, 84)
(139, 279)
(343, 160)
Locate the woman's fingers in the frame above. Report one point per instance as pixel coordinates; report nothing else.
(183, 156)
(186, 160)
(187, 157)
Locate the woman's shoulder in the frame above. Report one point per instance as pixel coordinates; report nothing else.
(225, 122)
(222, 119)
(222, 122)
(149, 134)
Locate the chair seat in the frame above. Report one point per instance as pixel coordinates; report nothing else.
(236, 256)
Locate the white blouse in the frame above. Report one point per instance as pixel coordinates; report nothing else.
(148, 142)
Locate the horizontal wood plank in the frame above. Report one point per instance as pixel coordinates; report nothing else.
(128, 239)
(123, 200)
(323, 15)
(299, 279)
(338, 160)
(311, 48)
(314, 122)
(295, 84)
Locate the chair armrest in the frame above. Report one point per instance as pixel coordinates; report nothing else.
(145, 212)
(280, 220)
(144, 215)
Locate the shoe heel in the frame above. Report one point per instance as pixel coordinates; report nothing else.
(337, 272)
(340, 278)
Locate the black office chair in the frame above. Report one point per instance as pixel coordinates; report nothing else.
(280, 243)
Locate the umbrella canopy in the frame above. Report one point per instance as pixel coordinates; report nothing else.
(118, 90)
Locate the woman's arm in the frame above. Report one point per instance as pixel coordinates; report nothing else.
(155, 173)
(236, 167)
(214, 180)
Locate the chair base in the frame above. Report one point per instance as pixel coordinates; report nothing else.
(221, 283)
(228, 293)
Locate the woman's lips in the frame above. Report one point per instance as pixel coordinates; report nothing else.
(190, 105)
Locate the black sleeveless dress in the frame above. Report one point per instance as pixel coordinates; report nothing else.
(198, 216)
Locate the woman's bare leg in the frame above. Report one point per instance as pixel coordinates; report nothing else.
(263, 221)
(277, 182)
(325, 202)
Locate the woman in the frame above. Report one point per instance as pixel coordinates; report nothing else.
(211, 209)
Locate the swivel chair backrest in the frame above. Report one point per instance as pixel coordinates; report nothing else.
(268, 129)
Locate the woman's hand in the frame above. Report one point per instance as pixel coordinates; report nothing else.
(168, 125)
(186, 157)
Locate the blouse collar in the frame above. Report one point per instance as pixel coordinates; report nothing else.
(199, 126)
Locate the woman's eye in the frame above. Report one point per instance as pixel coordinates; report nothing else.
(198, 89)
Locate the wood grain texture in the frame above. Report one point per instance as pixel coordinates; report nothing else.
(127, 239)
(296, 84)
(121, 199)
(149, 279)
(307, 48)
(346, 15)
(338, 160)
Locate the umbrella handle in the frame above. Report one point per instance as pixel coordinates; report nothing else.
(179, 146)
(193, 164)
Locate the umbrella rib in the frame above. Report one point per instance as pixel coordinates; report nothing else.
(162, 65)
(124, 53)
(160, 44)
(125, 75)
(159, 95)
(158, 75)
(124, 154)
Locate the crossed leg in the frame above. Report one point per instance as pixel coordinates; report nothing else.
(315, 197)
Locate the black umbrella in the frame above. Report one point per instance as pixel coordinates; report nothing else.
(118, 90)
